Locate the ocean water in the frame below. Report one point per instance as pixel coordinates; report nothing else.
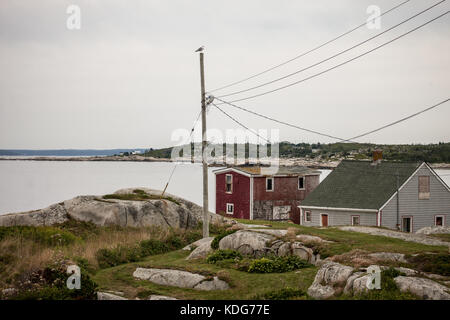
(30, 185)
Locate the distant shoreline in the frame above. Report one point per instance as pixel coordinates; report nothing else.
(137, 158)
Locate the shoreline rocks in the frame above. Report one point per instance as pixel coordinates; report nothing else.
(178, 213)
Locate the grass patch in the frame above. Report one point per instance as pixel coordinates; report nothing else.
(441, 236)
(281, 294)
(125, 254)
(48, 236)
(244, 285)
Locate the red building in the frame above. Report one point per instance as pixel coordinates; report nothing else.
(243, 192)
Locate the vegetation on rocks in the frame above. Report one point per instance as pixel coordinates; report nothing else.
(223, 234)
(277, 264)
(138, 195)
(221, 255)
(432, 263)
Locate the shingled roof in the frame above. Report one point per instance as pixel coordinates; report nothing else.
(360, 185)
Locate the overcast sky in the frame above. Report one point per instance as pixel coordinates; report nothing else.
(129, 77)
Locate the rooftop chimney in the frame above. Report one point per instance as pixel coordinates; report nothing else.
(377, 156)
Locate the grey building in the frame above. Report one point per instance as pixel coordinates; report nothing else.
(404, 196)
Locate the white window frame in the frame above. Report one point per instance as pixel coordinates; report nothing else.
(226, 208)
(273, 184)
(226, 176)
(359, 219)
(306, 216)
(439, 216)
(298, 183)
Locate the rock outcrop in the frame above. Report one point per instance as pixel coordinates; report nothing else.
(181, 279)
(173, 212)
(434, 230)
(424, 288)
(202, 250)
(109, 296)
(330, 280)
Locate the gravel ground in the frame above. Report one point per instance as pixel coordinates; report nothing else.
(413, 237)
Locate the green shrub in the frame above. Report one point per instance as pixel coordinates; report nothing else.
(55, 287)
(281, 294)
(82, 229)
(152, 246)
(277, 264)
(49, 236)
(220, 255)
(216, 240)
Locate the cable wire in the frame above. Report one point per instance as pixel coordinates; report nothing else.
(311, 50)
(340, 64)
(333, 56)
(330, 136)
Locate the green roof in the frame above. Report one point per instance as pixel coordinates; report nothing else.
(360, 184)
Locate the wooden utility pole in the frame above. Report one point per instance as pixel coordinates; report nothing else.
(205, 164)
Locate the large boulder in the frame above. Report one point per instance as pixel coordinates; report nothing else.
(424, 288)
(247, 242)
(181, 279)
(159, 297)
(51, 215)
(330, 280)
(172, 212)
(202, 250)
(198, 243)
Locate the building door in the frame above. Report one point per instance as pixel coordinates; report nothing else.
(324, 218)
(407, 224)
(439, 221)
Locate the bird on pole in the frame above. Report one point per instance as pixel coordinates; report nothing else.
(200, 49)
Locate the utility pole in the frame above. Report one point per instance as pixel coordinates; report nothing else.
(205, 165)
(398, 200)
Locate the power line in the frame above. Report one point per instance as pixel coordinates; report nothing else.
(311, 50)
(340, 64)
(333, 56)
(239, 123)
(278, 121)
(401, 120)
(330, 136)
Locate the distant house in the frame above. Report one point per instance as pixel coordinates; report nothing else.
(243, 192)
(365, 193)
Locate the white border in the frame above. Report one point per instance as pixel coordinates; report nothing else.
(226, 208)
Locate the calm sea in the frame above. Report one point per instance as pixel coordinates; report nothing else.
(29, 185)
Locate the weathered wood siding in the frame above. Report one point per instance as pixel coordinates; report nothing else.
(340, 218)
(422, 211)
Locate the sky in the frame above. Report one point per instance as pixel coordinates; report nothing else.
(129, 77)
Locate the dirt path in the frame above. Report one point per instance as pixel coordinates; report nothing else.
(413, 237)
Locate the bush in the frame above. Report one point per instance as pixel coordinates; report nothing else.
(55, 288)
(49, 236)
(216, 240)
(277, 264)
(220, 255)
(281, 294)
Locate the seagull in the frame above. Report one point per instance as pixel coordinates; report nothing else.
(200, 49)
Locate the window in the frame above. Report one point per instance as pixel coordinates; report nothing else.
(229, 183)
(424, 187)
(269, 184)
(355, 220)
(439, 220)
(230, 208)
(307, 216)
(301, 183)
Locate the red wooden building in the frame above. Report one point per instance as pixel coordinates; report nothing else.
(243, 192)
